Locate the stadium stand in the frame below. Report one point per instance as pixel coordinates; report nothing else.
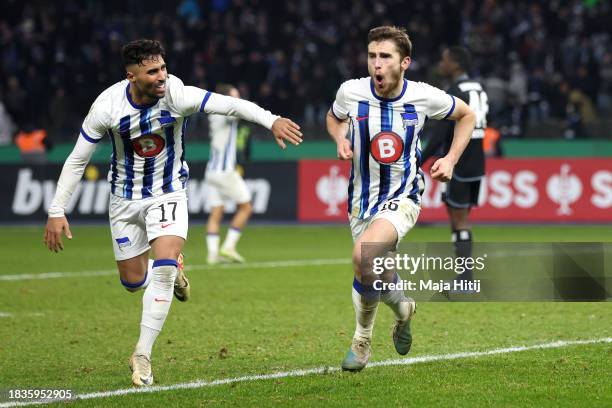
(290, 56)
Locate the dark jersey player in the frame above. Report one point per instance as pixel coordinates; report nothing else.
(461, 192)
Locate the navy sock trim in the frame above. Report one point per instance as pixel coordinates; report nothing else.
(363, 289)
(165, 262)
(135, 285)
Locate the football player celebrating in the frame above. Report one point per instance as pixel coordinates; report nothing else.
(384, 114)
(145, 118)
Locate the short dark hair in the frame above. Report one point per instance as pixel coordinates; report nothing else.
(461, 56)
(137, 51)
(396, 34)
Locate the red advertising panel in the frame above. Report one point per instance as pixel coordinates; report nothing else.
(323, 190)
(530, 190)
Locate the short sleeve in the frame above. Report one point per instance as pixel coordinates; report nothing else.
(340, 106)
(97, 121)
(439, 105)
(186, 100)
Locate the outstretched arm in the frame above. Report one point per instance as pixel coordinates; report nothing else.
(338, 129)
(442, 169)
(67, 183)
(283, 129)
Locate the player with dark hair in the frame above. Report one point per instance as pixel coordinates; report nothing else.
(145, 118)
(383, 114)
(461, 192)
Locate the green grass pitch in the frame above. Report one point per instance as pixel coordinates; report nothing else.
(77, 332)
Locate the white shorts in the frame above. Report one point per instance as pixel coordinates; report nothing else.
(228, 185)
(135, 223)
(401, 212)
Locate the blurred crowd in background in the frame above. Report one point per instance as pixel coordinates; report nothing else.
(546, 65)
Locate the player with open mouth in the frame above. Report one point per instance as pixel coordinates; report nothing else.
(384, 114)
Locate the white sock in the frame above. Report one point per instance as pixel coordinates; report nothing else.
(212, 243)
(365, 314)
(231, 239)
(156, 303)
(146, 340)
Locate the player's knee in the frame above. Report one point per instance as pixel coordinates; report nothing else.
(357, 261)
(246, 208)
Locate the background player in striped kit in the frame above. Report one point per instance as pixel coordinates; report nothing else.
(461, 192)
(384, 115)
(225, 182)
(145, 117)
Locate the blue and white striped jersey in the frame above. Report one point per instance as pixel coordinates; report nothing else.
(223, 134)
(148, 156)
(384, 137)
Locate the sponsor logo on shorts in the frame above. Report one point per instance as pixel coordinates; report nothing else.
(123, 242)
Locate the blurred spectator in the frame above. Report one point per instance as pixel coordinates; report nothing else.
(33, 144)
(291, 56)
(7, 127)
(62, 119)
(491, 143)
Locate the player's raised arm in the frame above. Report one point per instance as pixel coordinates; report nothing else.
(442, 169)
(338, 129)
(283, 129)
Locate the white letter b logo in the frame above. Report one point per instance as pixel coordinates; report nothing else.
(386, 148)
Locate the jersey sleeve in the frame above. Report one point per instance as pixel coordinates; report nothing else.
(72, 171)
(229, 106)
(186, 100)
(97, 121)
(439, 104)
(340, 106)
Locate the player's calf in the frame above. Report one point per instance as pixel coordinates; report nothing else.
(462, 241)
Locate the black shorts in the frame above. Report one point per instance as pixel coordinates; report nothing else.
(461, 194)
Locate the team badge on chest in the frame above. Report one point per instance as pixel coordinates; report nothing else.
(386, 147)
(409, 119)
(148, 145)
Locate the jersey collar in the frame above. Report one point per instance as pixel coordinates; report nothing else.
(134, 104)
(380, 98)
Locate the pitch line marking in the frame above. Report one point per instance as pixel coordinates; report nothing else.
(317, 370)
(247, 265)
